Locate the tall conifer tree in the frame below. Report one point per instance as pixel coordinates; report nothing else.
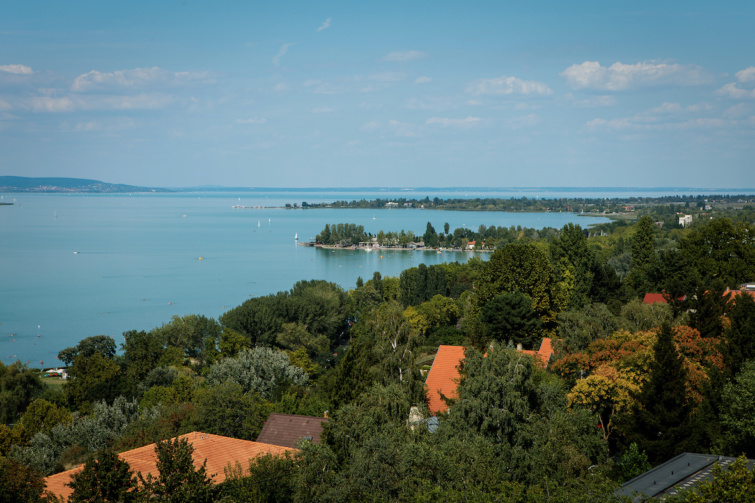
(660, 423)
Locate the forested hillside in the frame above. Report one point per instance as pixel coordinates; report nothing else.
(631, 384)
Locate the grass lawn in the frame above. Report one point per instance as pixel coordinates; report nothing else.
(53, 382)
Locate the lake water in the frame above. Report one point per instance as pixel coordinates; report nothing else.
(73, 266)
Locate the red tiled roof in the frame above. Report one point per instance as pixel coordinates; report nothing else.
(443, 377)
(733, 294)
(288, 429)
(219, 451)
(542, 355)
(654, 298)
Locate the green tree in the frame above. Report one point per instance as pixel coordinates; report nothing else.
(295, 335)
(577, 329)
(19, 385)
(19, 483)
(225, 409)
(100, 344)
(179, 481)
(509, 317)
(430, 237)
(42, 415)
(722, 250)
(733, 484)
(738, 414)
(263, 370)
(194, 334)
(92, 378)
(708, 310)
(572, 246)
(633, 463)
(660, 422)
(231, 342)
(395, 347)
(267, 479)
(524, 267)
(740, 336)
(142, 352)
(105, 479)
(644, 258)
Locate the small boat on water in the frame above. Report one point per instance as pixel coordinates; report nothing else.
(296, 236)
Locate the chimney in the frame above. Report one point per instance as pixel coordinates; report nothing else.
(519, 346)
(325, 414)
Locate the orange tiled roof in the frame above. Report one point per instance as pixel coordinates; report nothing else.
(542, 355)
(733, 294)
(219, 451)
(443, 377)
(654, 298)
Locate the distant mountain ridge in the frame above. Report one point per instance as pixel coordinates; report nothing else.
(61, 184)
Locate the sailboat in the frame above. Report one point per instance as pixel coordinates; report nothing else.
(296, 236)
(258, 223)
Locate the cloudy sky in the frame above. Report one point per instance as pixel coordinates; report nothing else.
(388, 93)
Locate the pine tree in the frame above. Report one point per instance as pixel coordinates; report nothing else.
(106, 479)
(179, 481)
(660, 423)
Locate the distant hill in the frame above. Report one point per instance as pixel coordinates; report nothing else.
(28, 184)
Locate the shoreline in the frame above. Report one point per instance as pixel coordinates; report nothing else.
(309, 244)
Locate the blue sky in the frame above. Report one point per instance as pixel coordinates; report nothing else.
(315, 94)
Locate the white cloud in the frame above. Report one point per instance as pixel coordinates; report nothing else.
(392, 127)
(136, 78)
(386, 77)
(281, 52)
(319, 87)
(641, 123)
(619, 77)
(281, 88)
(422, 80)
(144, 101)
(48, 104)
(325, 24)
(107, 125)
(460, 123)
(746, 75)
(370, 126)
(17, 69)
(4, 105)
(508, 85)
(666, 108)
(401, 56)
(596, 101)
(738, 110)
(732, 91)
(252, 120)
(403, 129)
(525, 121)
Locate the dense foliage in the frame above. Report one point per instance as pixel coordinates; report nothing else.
(630, 384)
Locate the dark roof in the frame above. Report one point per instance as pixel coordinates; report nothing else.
(288, 429)
(677, 474)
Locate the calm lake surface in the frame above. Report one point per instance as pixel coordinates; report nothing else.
(73, 266)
